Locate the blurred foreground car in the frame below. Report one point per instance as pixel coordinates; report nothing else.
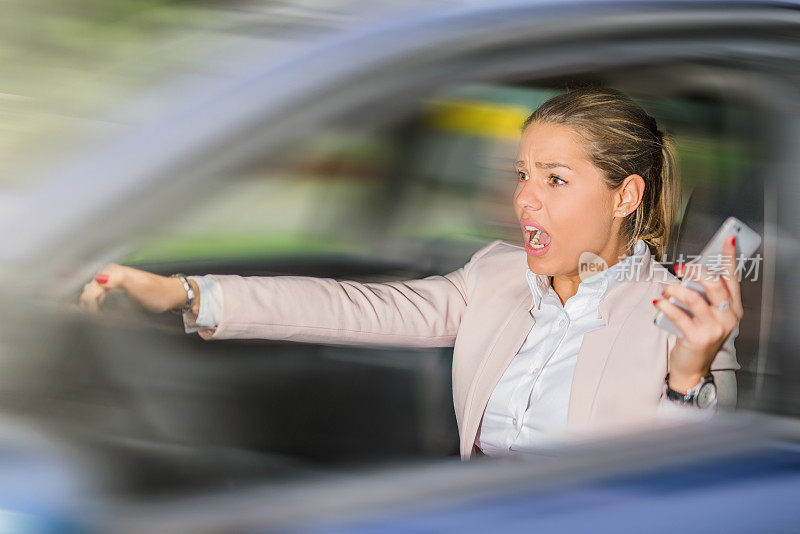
(378, 155)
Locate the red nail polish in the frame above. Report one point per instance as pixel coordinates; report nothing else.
(733, 240)
(101, 278)
(655, 302)
(678, 267)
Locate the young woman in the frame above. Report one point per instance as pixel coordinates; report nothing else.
(542, 346)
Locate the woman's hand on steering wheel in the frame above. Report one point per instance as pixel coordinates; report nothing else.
(155, 293)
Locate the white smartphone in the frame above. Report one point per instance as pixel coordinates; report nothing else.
(747, 242)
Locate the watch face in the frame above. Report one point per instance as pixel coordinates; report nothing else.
(707, 395)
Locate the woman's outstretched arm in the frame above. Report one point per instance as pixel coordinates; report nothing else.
(423, 312)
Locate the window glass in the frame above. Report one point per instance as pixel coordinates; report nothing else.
(431, 188)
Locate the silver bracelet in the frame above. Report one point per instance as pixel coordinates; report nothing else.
(190, 296)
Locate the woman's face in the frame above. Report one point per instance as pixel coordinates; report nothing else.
(563, 196)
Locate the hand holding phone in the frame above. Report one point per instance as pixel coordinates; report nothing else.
(712, 260)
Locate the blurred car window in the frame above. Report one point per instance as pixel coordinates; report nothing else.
(439, 181)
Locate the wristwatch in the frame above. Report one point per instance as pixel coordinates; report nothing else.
(189, 294)
(703, 395)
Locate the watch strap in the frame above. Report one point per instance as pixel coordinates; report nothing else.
(690, 397)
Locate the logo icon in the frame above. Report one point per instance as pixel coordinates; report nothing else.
(589, 264)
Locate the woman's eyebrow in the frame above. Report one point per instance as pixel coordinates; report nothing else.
(552, 165)
(519, 164)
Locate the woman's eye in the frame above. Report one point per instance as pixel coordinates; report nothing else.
(555, 180)
(522, 176)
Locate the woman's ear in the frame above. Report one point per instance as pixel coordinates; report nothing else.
(629, 195)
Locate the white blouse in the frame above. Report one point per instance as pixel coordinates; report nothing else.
(528, 406)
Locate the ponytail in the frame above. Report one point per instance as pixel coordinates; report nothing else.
(653, 224)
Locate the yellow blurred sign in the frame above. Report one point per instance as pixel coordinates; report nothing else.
(478, 118)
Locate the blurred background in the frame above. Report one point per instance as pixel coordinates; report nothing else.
(367, 141)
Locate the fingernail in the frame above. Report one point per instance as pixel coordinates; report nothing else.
(101, 278)
(655, 302)
(678, 267)
(733, 240)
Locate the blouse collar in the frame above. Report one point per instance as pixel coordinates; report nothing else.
(599, 284)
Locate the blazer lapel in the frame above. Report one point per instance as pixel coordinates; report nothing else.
(598, 345)
(503, 349)
(592, 358)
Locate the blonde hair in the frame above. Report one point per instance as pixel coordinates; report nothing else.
(622, 139)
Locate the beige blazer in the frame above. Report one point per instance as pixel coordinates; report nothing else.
(483, 310)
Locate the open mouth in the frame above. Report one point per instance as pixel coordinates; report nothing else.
(536, 238)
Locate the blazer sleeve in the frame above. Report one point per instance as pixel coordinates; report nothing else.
(724, 369)
(425, 312)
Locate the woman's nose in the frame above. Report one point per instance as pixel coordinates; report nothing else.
(527, 198)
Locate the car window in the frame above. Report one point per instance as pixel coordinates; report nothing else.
(427, 189)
